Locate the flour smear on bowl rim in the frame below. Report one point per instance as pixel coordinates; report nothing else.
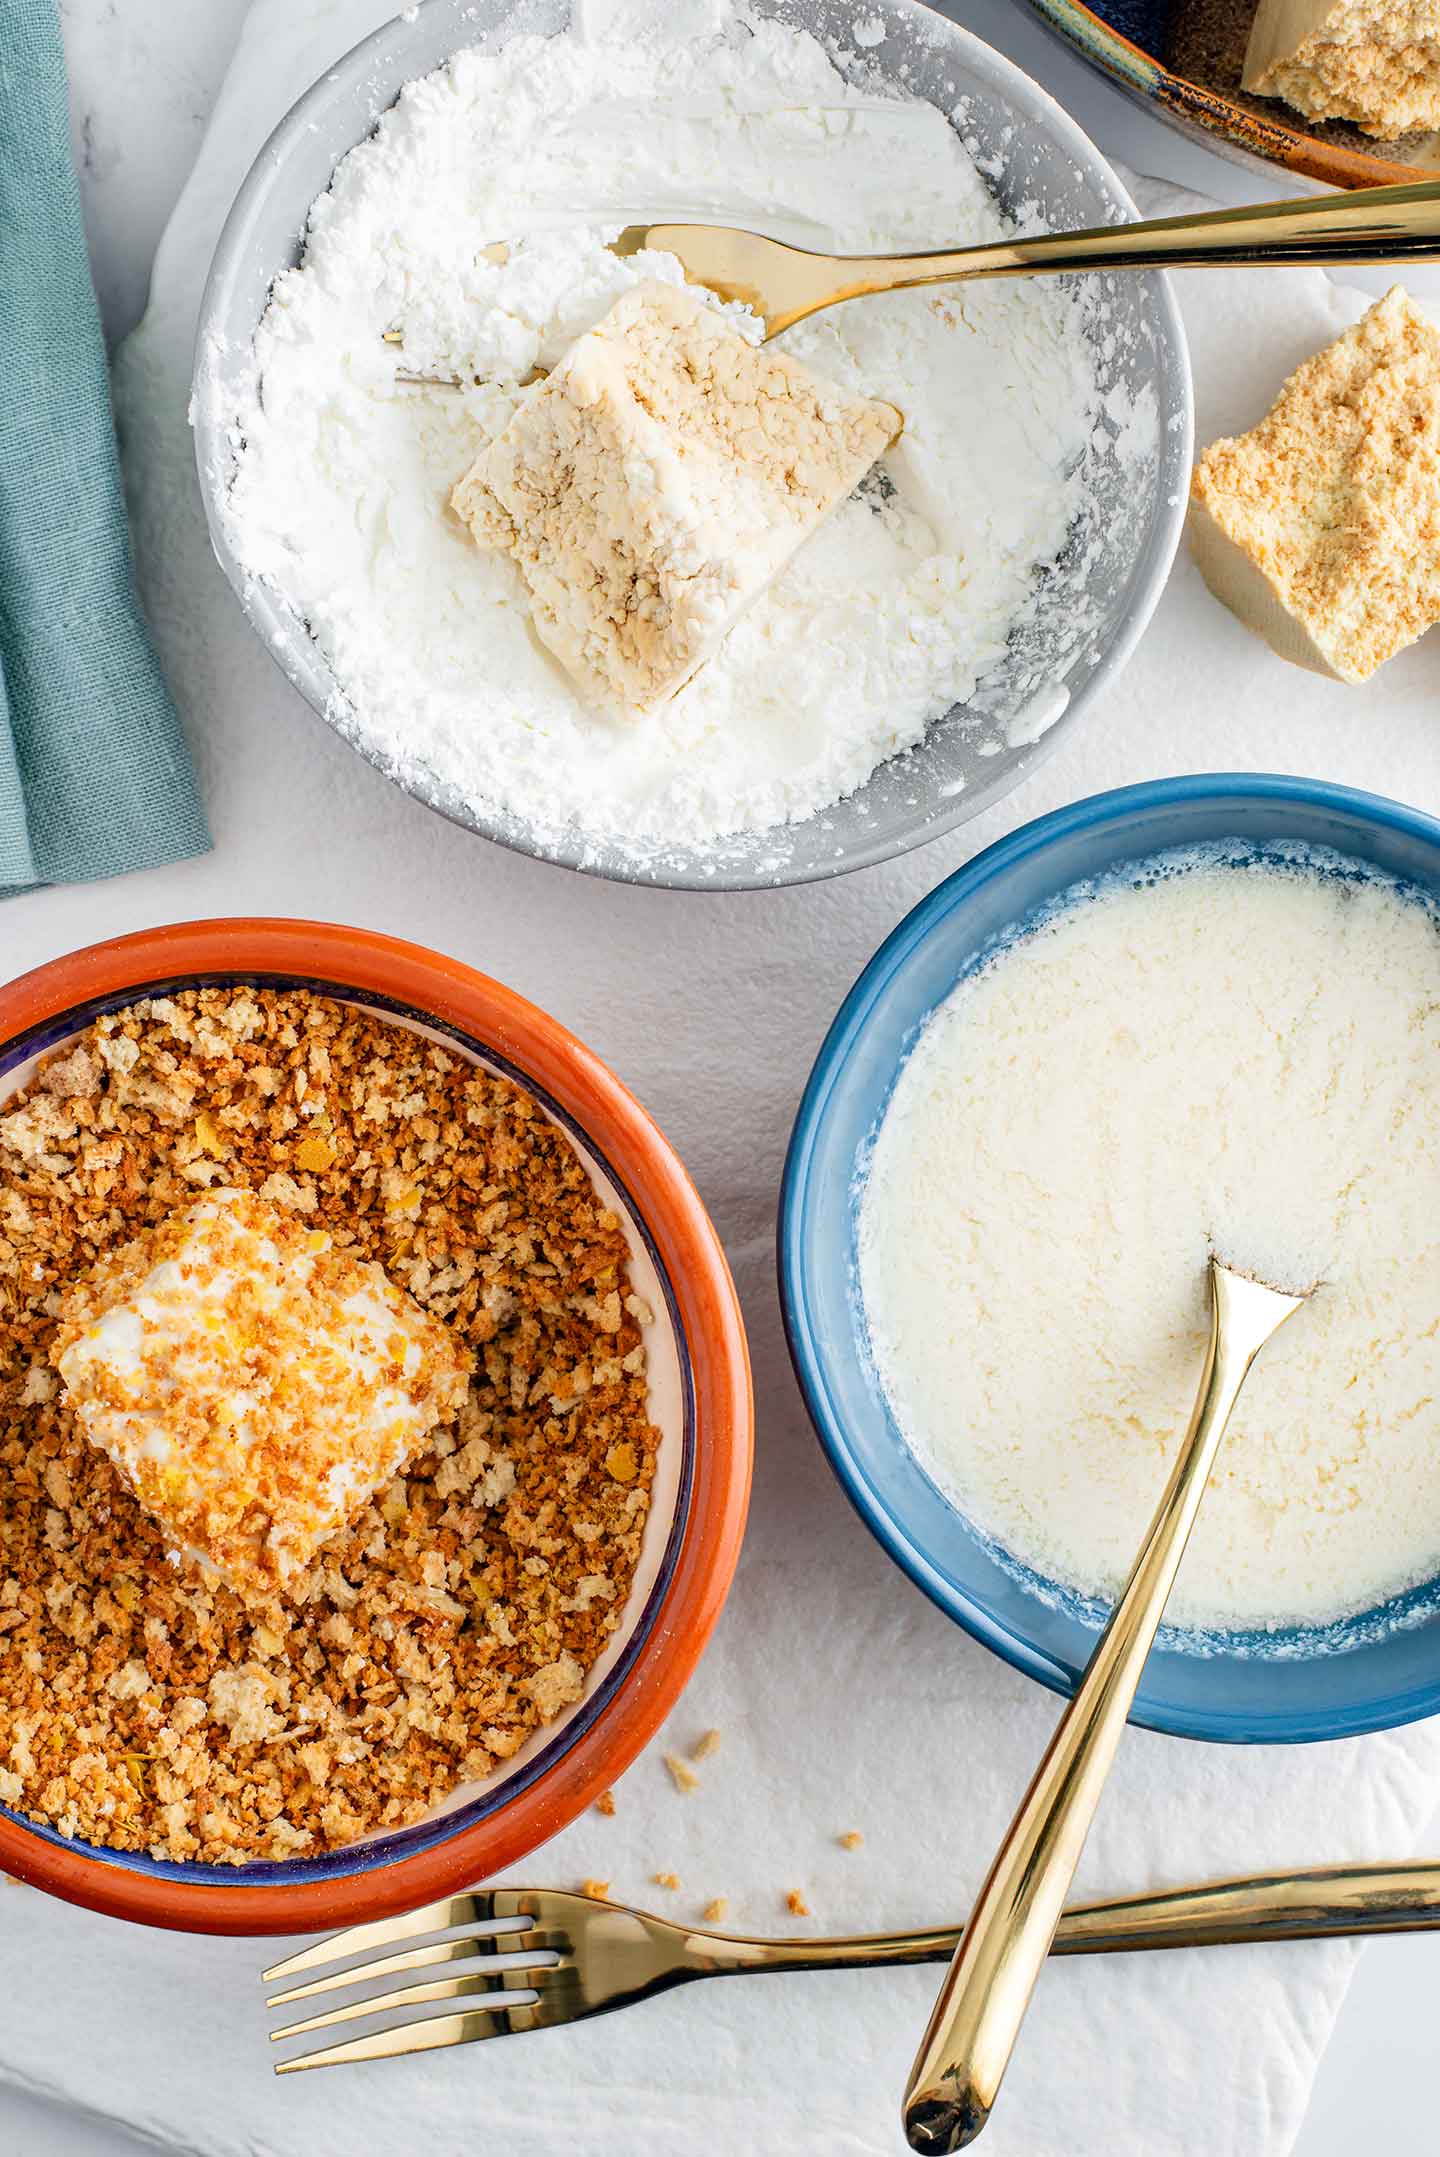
(895, 611)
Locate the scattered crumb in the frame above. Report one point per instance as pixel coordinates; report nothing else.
(705, 1745)
(666, 1879)
(682, 1774)
(715, 1912)
(796, 1904)
(853, 1840)
(606, 1803)
(597, 1890)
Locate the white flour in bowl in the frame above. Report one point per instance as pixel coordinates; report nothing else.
(892, 612)
(1244, 1058)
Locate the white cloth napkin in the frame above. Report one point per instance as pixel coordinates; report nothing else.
(844, 1701)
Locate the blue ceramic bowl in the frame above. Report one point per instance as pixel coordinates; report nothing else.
(1367, 1673)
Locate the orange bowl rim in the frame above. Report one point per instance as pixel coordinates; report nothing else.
(545, 1051)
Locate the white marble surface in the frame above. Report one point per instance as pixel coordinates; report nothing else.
(143, 75)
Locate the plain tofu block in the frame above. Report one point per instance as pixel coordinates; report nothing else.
(656, 481)
(1321, 527)
(1366, 61)
(254, 1386)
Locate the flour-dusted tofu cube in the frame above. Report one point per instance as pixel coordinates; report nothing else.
(1375, 63)
(656, 481)
(1320, 528)
(253, 1385)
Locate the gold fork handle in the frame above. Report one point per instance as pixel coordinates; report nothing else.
(983, 2000)
(1368, 224)
(1326, 1902)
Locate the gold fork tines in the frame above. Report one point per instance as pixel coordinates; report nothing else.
(414, 1958)
(433, 2034)
(481, 1911)
(542, 1957)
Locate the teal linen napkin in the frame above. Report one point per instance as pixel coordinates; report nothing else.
(95, 778)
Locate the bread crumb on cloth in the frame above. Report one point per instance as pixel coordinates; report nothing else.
(681, 1774)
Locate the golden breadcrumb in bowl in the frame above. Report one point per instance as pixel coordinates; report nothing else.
(497, 1629)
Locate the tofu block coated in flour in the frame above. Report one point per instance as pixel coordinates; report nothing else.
(656, 481)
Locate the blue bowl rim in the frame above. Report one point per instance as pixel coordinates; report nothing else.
(374, 1852)
(1225, 1726)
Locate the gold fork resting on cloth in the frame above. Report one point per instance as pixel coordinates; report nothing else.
(542, 1957)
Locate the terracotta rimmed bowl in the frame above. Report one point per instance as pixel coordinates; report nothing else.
(700, 1394)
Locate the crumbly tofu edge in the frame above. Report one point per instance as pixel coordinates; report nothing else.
(1235, 556)
(1372, 65)
(1240, 584)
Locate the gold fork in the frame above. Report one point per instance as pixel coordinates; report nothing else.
(783, 284)
(543, 1957)
(983, 2001)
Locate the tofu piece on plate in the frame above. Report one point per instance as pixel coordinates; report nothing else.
(253, 1385)
(1375, 63)
(1320, 528)
(656, 481)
